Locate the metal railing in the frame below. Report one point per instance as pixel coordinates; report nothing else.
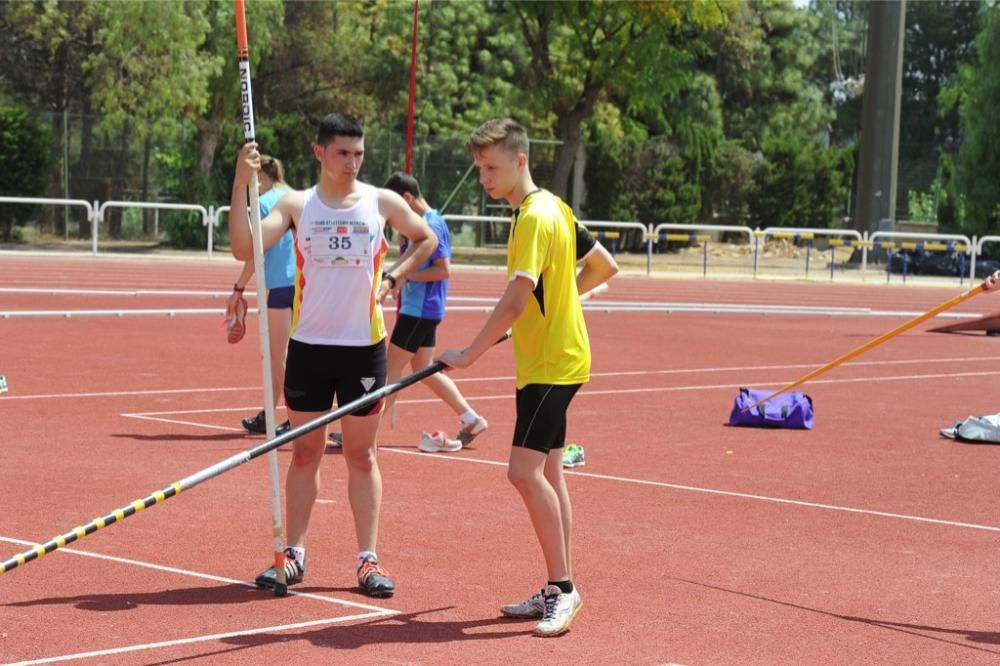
(835, 237)
(156, 206)
(612, 231)
(86, 205)
(921, 241)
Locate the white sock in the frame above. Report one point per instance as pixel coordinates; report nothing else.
(365, 554)
(298, 553)
(469, 417)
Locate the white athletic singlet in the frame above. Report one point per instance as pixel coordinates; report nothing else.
(338, 256)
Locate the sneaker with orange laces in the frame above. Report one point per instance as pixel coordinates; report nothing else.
(374, 580)
(294, 572)
(236, 312)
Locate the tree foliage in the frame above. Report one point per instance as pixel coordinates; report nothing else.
(979, 156)
(689, 111)
(25, 155)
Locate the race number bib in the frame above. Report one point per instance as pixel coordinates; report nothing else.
(349, 249)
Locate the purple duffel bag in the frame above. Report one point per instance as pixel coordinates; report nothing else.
(788, 410)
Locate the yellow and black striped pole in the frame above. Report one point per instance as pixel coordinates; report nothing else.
(221, 467)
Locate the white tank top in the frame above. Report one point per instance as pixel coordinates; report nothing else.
(339, 256)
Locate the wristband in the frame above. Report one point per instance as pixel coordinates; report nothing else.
(238, 289)
(392, 280)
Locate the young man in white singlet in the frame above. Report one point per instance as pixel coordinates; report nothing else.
(337, 344)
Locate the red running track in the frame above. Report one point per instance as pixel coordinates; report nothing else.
(866, 540)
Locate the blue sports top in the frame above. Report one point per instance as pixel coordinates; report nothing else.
(279, 259)
(426, 300)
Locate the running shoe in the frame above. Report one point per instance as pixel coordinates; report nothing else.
(335, 440)
(573, 456)
(257, 425)
(533, 606)
(560, 609)
(438, 442)
(470, 431)
(374, 580)
(236, 320)
(294, 572)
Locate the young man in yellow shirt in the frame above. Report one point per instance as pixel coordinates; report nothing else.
(552, 351)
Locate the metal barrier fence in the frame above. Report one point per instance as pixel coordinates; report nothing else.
(613, 233)
(86, 205)
(926, 242)
(835, 238)
(152, 206)
(688, 232)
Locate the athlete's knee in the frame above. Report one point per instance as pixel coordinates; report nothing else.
(361, 460)
(524, 478)
(307, 454)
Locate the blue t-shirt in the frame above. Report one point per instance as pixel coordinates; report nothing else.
(426, 300)
(279, 259)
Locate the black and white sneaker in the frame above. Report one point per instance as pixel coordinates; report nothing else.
(560, 609)
(374, 580)
(257, 425)
(295, 571)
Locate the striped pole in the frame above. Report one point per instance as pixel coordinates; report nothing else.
(218, 468)
(871, 344)
(246, 98)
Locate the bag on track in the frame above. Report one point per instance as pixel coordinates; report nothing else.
(788, 410)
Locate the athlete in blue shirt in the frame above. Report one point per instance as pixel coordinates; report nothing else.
(421, 297)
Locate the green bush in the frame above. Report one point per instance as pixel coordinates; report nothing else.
(25, 159)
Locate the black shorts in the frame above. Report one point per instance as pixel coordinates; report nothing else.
(315, 374)
(541, 415)
(412, 333)
(280, 298)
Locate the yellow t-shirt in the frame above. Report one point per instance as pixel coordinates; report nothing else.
(550, 337)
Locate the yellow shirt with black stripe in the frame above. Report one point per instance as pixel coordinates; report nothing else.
(550, 336)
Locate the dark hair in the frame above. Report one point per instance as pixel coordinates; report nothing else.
(504, 132)
(401, 183)
(338, 124)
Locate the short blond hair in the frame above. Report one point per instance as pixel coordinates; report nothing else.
(504, 132)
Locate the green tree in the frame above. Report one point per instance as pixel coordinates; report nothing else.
(25, 159)
(978, 94)
(41, 67)
(940, 38)
(584, 52)
(800, 184)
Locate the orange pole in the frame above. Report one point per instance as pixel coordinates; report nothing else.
(871, 344)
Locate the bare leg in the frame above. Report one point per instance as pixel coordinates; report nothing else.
(396, 361)
(364, 481)
(279, 324)
(555, 477)
(302, 483)
(526, 473)
(442, 385)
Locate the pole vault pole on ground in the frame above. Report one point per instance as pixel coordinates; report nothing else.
(249, 134)
(221, 467)
(234, 461)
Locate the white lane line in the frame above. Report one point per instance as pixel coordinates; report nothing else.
(699, 489)
(200, 639)
(113, 394)
(716, 491)
(593, 392)
(148, 417)
(198, 574)
(463, 380)
(55, 291)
